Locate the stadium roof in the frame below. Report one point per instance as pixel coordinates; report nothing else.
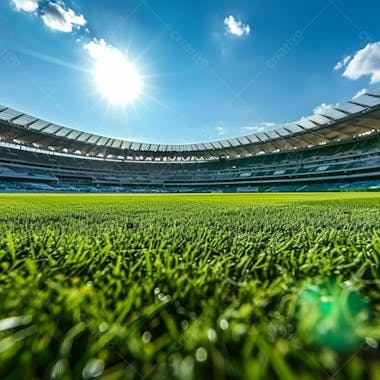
(345, 121)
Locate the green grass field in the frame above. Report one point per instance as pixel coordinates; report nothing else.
(277, 286)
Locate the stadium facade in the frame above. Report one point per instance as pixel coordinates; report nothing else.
(336, 149)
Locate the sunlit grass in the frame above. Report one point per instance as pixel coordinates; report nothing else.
(266, 286)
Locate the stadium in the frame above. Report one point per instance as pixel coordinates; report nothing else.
(162, 217)
(336, 149)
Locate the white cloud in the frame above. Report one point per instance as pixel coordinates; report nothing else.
(360, 93)
(58, 18)
(236, 28)
(260, 127)
(269, 124)
(220, 131)
(253, 128)
(342, 63)
(26, 5)
(324, 106)
(366, 62)
(99, 50)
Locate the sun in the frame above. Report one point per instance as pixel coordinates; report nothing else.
(117, 79)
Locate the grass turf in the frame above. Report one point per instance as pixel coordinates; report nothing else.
(266, 286)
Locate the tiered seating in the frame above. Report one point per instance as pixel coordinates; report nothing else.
(323, 167)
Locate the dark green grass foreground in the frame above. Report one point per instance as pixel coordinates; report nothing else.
(190, 287)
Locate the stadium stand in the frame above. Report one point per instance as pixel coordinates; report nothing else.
(336, 150)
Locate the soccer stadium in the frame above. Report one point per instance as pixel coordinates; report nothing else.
(337, 149)
(162, 215)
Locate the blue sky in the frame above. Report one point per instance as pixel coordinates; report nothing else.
(210, 69)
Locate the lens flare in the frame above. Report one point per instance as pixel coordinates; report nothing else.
(333, 316)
